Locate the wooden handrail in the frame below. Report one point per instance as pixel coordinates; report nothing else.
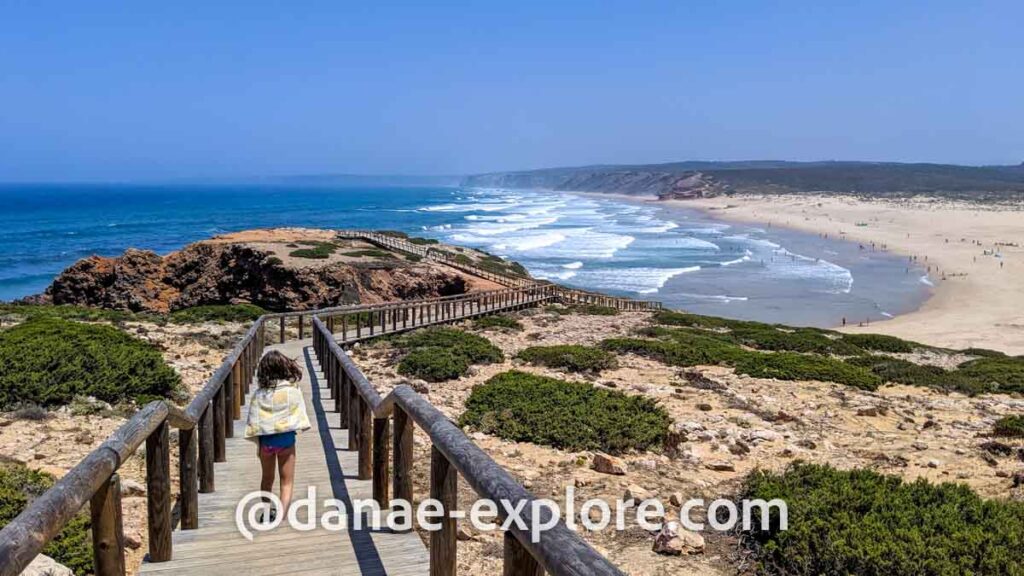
(560, 551)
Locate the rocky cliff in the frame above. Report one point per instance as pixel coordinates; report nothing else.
(696, 179)
(252, 267)
(665, 185)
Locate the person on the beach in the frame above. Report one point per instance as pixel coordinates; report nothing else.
(277, 411)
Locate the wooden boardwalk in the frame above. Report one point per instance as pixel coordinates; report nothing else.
(217, 547)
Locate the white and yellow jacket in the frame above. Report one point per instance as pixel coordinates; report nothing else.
(275, 409)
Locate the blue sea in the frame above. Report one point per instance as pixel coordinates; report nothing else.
(682, 257)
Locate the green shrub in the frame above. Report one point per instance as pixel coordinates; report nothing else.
(423, 241)
(70, 312)
(593, 310)
(797, 340)
(437, 354)
(1012, 426)
(673, 318)
(881, 343)
(317, 250)
(682, 350)
(996, 374)
(273, 261)
(72, 546)
(369, 253)
(499, 265)
(433, 364)
(862, 522)
(413, 257)
(498, 321)
(983, 352)
(477, 348)
(48, 361)
(218, 313)
(572, 357)
(568, 415)
(792, 366)
(905, 372)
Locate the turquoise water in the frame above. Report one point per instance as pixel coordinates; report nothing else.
(681, 257)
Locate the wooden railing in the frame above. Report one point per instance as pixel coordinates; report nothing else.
(381, 431)
(202, 427)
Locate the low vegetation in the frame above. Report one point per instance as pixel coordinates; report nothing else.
(881, 343)
(569, 357)
(498, 321)
(996, 374)
(793, 366)
(438, 354)
(863, 522)
(72, 546)
(218, 313)
(901, 371)
(499, 265)
(48, 361)
(861, 360)
(315, 250)
(568, 415)
(1009, 426)
(197, 314)
(369, 253)
(69, 312)
(688, 350)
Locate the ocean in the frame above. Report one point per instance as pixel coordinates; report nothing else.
(682, 257)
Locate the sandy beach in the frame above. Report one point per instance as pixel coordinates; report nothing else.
(974, 252)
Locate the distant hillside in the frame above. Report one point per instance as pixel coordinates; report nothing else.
(705, 179)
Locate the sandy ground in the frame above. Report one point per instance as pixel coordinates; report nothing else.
(975, 253)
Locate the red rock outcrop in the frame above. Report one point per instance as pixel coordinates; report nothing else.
(218, 272)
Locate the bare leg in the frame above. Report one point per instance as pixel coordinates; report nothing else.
(267, 466)
(286, 468)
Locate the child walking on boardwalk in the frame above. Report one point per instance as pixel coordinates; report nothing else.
(277, 411)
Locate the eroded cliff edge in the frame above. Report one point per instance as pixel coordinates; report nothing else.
(259, 267)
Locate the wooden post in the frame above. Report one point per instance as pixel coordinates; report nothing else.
(229, 404)
(403, 451)
(444, 489)
(344, 328)
(206, 450)
(518, 561)
(220, 425)
(236, 390)
(302, 327)
(353, 417)
(282, 329)
(381, 455)
(107, 529)
(158, 493)
(188, 485)
(365, 446)
(345, 394)
(337, 374)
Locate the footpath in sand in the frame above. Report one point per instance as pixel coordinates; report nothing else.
(975, 252)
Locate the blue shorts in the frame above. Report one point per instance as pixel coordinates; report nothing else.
(274, 443)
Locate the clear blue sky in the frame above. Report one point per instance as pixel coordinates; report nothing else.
(151, 90)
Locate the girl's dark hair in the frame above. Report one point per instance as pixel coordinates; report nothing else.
(276, 366)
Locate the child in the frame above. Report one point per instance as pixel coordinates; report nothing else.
(277, 411)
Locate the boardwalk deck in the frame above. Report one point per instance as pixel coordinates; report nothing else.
(217, 547)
